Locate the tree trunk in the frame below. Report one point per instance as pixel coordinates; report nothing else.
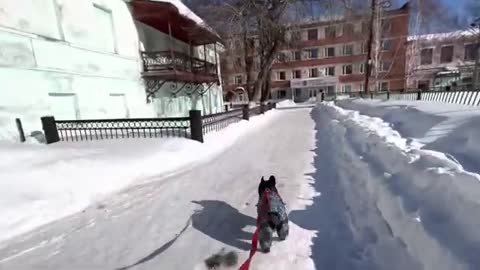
(267, 87)
(368, 68)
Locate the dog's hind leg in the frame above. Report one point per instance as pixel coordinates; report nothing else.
(265, 238)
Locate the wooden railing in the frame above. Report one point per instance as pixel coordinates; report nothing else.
(155, 61)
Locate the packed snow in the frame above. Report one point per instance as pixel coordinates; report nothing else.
(449, 128)
(43, 183)
(361, 195)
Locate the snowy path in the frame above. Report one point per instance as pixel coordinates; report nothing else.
(175, 223)
(384, 204)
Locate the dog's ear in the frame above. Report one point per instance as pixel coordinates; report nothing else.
(272, 180)
(262, 180)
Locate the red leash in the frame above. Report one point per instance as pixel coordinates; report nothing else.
(246, 264)
(253, 250)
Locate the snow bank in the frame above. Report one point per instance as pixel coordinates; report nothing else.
(428, 201)
(41, 183)
(286, 104)
(448, 128)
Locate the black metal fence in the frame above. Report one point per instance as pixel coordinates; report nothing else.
(218, 121)
(193, 127)
(80, 130)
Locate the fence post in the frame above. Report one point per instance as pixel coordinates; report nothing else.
(274, 105)
(388, 95)
(371, 95)
(323, 96)
(226, 107)
(196, 126)
(262, 108)
(419, 95)
(50, 129)
(20, 129)
(246, 112)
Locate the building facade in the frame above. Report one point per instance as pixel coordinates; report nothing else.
(330, 56)
(85, 59)
(180, 57)
(442, 61)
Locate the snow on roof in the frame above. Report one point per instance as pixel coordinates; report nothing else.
(440, 36)
(184, 10)
(188, 13)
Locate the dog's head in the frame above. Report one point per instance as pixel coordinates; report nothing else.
(269, 184)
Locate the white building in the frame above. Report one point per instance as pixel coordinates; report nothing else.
(81, 59)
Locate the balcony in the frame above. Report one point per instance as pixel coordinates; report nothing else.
(176, 66)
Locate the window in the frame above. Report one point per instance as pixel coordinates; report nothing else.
(238, 79)
(363, 48)
(348, 29)
(346, 88)
(385, 66)
(347, 69)
(361, 68)
(383, 86)
(312, 53)
(330, 52)
(423, 85)
(312, 34)
(471, 51)
(105, 28)
(282, 94)
(446, 54)
(297, 74)
(282, 75)
(348, 49)
(426, 56)
(330, 31)
(313, 72)
(330, 71)
(296, 36)
(297, 55)
(386, 26)
(281, 57)
(386, 45)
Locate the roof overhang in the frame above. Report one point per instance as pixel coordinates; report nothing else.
(162, 15)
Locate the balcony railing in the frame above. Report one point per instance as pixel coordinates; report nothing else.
(165, 61)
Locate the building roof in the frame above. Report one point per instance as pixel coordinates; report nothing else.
(184, 24)
(447, 35)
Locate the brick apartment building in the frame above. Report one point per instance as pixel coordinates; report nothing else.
(329, 57)
(442, 61)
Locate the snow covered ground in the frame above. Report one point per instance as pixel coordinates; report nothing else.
(449, 128)
(43, 183)
(360, 195)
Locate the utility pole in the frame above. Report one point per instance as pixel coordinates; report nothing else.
(368, 68)
(476, 31)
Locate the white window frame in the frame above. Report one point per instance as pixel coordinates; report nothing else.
(326, 52)
(361, 68)
(344, 86)
(379, 85)
(310, 73)
(382, 66)
(344, 49)
(294, 76)
(420, 56)
(383, 42)
(344, 69)
(453, 53)
(237, 81)
(326, 71)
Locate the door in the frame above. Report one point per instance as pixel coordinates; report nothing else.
(64, 106)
